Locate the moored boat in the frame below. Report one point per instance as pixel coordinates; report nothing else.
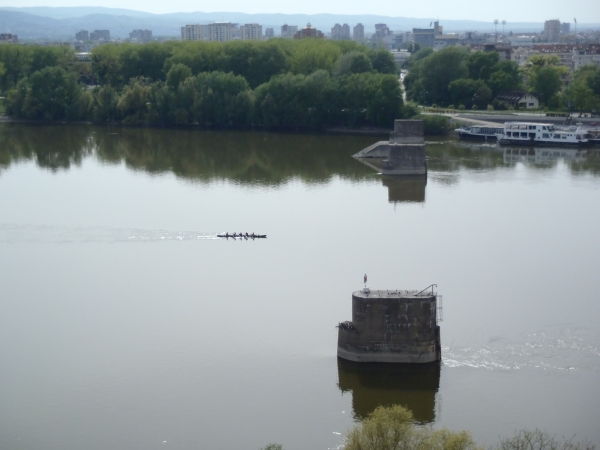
(530, 133)
(479, 132)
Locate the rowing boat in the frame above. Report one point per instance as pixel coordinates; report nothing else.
(238, 236)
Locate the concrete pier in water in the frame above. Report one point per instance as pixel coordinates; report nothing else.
(391, 327)
(405, 150)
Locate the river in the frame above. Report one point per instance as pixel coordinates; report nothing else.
(126, 324)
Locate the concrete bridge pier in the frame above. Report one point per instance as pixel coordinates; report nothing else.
(391, 327)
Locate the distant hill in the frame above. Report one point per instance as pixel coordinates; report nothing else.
(64, 22)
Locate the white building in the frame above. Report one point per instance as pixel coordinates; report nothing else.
(288, 31)
(552, 30)
(195, 33)
(520, 55)
(581, 58)
(251, 32)
(400, 56)
(519, 99)
(520, 41)
(220, 31)
(445, 40)
(393, 41)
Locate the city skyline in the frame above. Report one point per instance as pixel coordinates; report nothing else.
(585, 10)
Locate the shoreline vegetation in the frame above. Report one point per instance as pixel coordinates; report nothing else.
(394, 428)
(280, 84)
(459, 79)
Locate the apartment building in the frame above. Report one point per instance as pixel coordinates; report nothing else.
(288, 31)
(8, 38)
(358, 32)
(195, 33)
(100, 35)
(220, 31)
(83, 35)
(309, 32)
(340, 32)
(251, 32)
(552, 30)
(141, 36)
(583, 58)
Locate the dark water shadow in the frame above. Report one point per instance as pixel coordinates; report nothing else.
(413, 386)
(405, 189)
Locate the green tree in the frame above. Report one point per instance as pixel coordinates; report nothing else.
(177, 75)
(383, 62)
(584, 90)
(480, 64)
(547, 83)
(310, 55)
(352, 62)
(257, 62)
(222, 100)
(509, 67)
(501, 81)
(106, 100)
(429, 78)
(393, 428)
(49, 94)
(544, 74)
(134, 103)
(107, 66)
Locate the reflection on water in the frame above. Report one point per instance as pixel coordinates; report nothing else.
(543, 154)
(261, 159)
(372, 385)
(407, 189)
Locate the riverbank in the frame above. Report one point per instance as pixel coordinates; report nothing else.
(363, 131)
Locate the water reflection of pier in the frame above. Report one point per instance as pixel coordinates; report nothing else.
(543, 154)
(413, 386)
(410, 189)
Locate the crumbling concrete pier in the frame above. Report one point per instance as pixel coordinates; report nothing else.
(405, 150)
(391, 327)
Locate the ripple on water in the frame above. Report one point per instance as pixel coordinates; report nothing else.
(562, 348)
(52, 234)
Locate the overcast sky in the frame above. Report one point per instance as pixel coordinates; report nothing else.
(586, 11)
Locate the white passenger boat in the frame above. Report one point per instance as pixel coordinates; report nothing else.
(479, 132)
(530, 133)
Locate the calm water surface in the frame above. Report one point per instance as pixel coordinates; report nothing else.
(126, 324)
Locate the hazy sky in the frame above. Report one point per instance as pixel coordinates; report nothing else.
(586, 11)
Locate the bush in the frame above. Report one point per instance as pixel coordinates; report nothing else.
(474, 108)
(451, 107)
(497, 104)
(490, 107)
(461, 107)
(410, 109)
(540, 440)
(393, 428)
(434, 125)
